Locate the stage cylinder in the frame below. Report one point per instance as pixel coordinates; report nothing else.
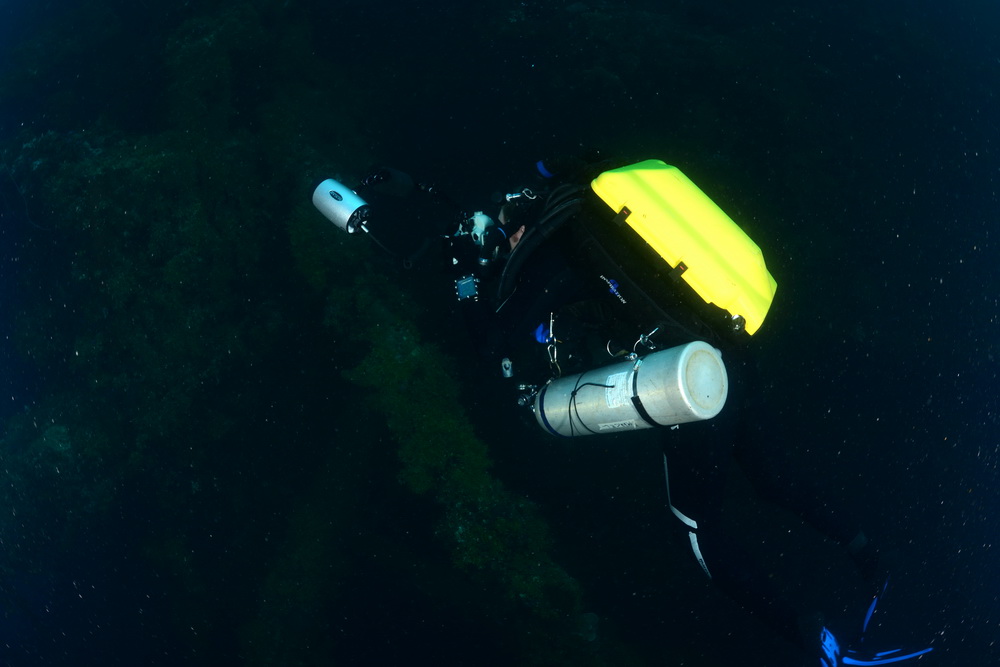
(682, 384)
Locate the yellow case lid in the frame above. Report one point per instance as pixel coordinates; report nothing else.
(679, 221)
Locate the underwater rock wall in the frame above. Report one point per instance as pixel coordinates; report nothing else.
(191, 321)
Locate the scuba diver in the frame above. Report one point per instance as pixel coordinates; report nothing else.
(628, 298)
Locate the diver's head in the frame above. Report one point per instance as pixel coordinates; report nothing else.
(512, 218)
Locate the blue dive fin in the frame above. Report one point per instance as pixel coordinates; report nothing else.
(871, 608)
(832, 656)
(882, 657)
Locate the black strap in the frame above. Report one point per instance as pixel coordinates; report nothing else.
(676, 272)
(637, 403)
(621, 216)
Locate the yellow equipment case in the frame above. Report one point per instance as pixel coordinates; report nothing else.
(701, 244)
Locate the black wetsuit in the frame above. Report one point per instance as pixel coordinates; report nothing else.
(567, 272)
(558, 278)
(696, 464)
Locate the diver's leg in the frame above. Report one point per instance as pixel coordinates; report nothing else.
(696, 464)
(760, 459)
(808, 500)
(696, 480)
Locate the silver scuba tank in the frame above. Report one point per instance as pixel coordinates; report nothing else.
(674, 386)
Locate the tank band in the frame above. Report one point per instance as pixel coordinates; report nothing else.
(541, 411)
(637, 402)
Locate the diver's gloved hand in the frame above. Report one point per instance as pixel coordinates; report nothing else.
(375, 176)
(388, 181)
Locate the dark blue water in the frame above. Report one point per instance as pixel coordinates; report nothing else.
(194, 470)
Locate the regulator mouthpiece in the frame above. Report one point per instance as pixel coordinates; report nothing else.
(341, 205)
(480, 223)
